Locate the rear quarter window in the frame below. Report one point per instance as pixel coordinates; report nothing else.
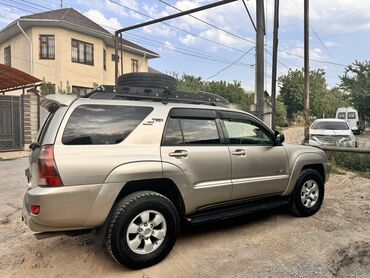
(102, 124)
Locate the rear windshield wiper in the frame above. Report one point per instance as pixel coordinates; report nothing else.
(34, 145)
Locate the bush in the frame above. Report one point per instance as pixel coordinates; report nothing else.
(356, 162)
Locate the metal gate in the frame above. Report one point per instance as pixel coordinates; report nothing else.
(11, 123)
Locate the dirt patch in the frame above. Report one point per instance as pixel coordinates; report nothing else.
(333, 242)
(352, 260)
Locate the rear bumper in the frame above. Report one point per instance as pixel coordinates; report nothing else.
(61, 209)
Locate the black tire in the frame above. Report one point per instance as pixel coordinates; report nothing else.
(296, 205)
(147, 80)
(124, 212)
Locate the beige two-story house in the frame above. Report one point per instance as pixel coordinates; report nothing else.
(67, 49)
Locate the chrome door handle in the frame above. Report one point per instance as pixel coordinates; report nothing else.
(179, 154)
(239, 152)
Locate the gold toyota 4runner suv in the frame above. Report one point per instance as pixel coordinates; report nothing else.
(132, 161)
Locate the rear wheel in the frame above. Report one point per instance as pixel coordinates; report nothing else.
(308, 194)
(142, 229)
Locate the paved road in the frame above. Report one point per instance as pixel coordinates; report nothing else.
(336, 241)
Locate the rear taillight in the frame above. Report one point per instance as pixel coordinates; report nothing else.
(48, 172)
(35, 209)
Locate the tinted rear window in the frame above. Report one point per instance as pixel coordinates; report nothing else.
(199, 131)
(102, 124)
(191, 132)
(173, 134)
(330, 125)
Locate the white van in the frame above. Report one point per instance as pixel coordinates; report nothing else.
(350, 115)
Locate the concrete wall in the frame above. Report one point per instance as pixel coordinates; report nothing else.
(20, 52)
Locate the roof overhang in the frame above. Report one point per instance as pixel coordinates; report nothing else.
(12, 29)
(13, 79)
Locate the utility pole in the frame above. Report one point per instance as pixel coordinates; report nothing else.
(61, 4)
(274, 63)
(306, 72)
(260, 58)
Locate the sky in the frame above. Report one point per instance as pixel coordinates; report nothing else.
(339, 34)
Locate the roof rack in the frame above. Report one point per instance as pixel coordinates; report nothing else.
(157, 94)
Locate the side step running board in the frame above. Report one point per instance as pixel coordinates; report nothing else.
(234, 211)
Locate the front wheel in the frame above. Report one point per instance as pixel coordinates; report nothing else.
(308, 194)
(142, 229)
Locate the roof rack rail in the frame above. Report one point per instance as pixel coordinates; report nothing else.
(157, 94)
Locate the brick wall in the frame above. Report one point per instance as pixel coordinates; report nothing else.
(31, 118)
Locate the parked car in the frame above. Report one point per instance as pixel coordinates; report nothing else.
(331, 132)
(133, 162)
(350, 115)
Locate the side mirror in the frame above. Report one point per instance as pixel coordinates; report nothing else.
(279, 137)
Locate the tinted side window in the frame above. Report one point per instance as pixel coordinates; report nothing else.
(199, 131)
(244, 132)
(102, 124)
(173, 134)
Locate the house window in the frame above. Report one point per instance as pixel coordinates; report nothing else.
(81, 91)
(7, 56)
(47, 47)
(82, 52)
(134, 65)
(104, 59)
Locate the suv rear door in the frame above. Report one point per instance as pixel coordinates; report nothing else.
(57, 106)
(259, 167)
(193, 142)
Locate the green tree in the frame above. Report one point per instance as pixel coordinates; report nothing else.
(232, 91)
(281, 114)
(46, 88)
(356, 81)
(292, 92)
(334, 99)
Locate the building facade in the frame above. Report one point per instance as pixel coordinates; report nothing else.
(68, 50)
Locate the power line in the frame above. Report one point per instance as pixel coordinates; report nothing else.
(186, 53)
(142, 39)
(20, 3)
(10, 6)
(313, 30)
(183, 51)
(175, 27)
(233, 63)
(178, 28)
(208, 23)
(344, 18)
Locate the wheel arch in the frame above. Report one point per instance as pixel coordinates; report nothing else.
(305, 161)
(163, 186)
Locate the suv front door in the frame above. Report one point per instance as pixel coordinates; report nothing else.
(192, 142)
(259, 167)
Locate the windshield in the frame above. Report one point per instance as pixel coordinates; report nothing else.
(330, 125)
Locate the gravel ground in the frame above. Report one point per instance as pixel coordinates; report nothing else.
(334, 242)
